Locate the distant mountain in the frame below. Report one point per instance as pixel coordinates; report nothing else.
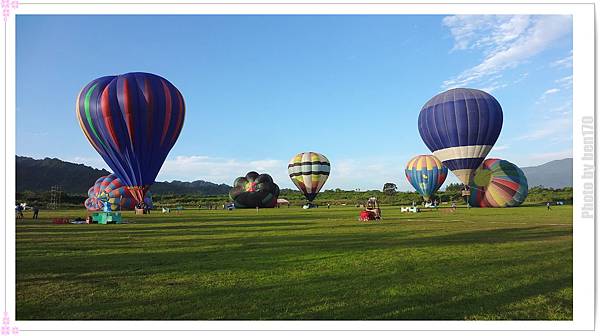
(553, 174)
(41, 175)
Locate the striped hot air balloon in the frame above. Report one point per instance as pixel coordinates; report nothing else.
(309, 171)
(110, 189)
(460, 126)
(133, 121)
(498, 183)
(426, 174)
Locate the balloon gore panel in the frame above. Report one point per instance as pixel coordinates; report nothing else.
(426, 174)
(133, 121)
(309, 172)
(498, 183)
(460, 126)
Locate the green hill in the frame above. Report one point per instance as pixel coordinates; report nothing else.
(40, 175)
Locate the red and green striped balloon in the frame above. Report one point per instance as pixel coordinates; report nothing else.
(133, 121)
(498, 183)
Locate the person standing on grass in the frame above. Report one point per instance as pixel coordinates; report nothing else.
(36, 211)
(548, 206)
(19, 211)
(453, 206)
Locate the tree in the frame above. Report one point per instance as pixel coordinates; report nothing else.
(389, 189)
(454, 187)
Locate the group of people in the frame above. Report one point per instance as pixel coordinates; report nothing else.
(144, 207)
(20, 208)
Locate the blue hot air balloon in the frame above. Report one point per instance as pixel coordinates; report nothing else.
(460, 126)
(133, 121)
(426, 174)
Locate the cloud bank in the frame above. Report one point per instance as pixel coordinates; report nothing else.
(506, 41)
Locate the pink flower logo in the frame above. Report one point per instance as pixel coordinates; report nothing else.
(7, 6)
(6, 329)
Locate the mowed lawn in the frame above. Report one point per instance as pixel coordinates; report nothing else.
(291, 263)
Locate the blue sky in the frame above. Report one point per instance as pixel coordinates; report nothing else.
(260, 89)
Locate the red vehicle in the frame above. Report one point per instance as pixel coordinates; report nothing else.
(371, 212)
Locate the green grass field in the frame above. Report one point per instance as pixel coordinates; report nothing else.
(293, 264)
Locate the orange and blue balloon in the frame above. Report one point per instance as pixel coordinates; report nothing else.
(460, 126)
(133, 121)
(426, 174)
(498, 183)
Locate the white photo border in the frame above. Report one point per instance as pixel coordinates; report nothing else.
(584, 90)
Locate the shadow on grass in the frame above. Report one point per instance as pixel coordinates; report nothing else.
(266, 252)
(490, 290)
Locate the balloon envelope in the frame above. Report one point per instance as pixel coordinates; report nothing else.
(498, 183)
(254, 190)
(460, 126)
(309, 172)
(133, 121)
(110, 188)
(426, 174)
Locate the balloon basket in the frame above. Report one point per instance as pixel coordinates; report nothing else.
(106, 217)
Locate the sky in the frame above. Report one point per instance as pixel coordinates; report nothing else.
(261, 88)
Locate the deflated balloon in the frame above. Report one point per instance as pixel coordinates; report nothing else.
(133, 121)
(309, 172)
(426, 174)
(460, 126)
(110, 189)
(498, 183)
(254, 190)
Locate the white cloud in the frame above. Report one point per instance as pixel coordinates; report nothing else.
(545, 95)
(485, 31)
(540, 158)
(218, 170)
(565, 109)
(521, 77)
(95, 162)
(366, 173)
(551, 91)
(499, 148)
(507, 41)
(565, 82)
(549, 130)
(566, 62)
(493, 87)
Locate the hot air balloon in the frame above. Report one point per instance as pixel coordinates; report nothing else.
(133, 121)
(254, 190)
(498, 183)
(426, 174)
(309, 171)
(110, 189)
(460, 126)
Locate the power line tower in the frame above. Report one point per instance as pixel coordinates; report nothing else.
(55, 194)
